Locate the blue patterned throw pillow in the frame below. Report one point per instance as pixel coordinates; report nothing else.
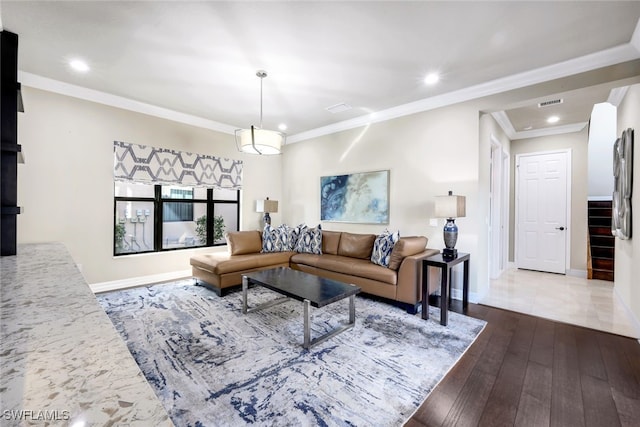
(271, 241)
(284, 237)
(382, 247)
(310, 241)
(293, 235)
(280, 239)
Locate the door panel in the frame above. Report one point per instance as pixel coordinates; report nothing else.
(542, 212)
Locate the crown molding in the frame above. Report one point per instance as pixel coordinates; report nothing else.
(604, 58)
(555, 130)
(504, 122)
(617, 95)
(615, 98)
(56, 86)
(635, 38)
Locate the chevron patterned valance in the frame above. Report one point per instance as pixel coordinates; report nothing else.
(140, 163)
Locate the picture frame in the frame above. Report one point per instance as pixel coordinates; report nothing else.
(622, 191)
(361, 197)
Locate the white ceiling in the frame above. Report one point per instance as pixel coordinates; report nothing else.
(200, 58)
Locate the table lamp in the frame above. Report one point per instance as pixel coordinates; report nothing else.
(267, 206)
(450, 207)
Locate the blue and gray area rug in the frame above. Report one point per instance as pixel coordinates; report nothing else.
(210, 365)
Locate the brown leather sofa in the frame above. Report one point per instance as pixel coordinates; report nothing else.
(345, 257)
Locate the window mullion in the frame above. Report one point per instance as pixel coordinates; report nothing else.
(210, 211)
(158, 218)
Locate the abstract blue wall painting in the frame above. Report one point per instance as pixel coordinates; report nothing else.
(357, 197)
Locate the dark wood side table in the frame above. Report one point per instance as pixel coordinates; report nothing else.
(445, 265)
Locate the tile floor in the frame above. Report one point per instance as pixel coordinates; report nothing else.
(568, 299)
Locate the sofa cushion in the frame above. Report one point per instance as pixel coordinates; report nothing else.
(330, 240)
(244, 242)
(310, 241)
(405, 247)
(382, 247)
(356, 245)
(347, 265)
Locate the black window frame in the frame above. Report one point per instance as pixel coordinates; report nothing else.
(158, 214)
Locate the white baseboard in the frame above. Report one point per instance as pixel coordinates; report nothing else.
(474, 297)
(577, 273)
(570, 272)
(635, 323)
(138, 281)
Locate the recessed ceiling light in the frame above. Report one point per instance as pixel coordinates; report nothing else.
(282, 127)
(528, 128)
(79, 65)
(432, 78)
(553, 119)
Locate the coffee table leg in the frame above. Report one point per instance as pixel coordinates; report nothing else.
(352, 309)
(245, 286)
(308, 342)
(307, 328)
(245, 303)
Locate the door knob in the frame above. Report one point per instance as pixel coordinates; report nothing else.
(560, 228)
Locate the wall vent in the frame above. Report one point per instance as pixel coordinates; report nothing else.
(550, 103)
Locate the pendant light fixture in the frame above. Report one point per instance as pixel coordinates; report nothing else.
(256, 140)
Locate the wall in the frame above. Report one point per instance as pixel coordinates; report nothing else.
(66, 185)
(577, 142)
(627, 267)
(427, 154)
(602, 136)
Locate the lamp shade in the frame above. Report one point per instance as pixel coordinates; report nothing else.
(267, 206)
(450, 206)
(259, 141)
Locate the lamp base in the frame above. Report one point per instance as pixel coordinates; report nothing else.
(449, 253)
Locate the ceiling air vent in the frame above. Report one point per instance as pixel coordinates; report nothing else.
(550, 103)
(338, 108)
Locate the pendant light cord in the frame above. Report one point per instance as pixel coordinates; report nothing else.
(262, 74)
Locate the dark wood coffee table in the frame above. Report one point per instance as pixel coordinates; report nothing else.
(311, 290)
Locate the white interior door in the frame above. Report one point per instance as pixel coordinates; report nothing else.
(542, 211)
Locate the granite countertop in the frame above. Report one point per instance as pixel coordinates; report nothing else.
(61, 360)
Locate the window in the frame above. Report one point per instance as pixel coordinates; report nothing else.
(153, 218)
(177, 211)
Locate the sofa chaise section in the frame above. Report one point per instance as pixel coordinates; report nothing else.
(221, 271)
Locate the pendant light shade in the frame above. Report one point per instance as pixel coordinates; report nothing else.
(256, 140)
(259, 141)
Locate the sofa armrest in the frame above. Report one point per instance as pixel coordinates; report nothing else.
(409, 288)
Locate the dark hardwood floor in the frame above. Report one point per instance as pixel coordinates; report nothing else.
(529, 371)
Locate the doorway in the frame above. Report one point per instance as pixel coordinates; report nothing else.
(542, 217)
(498, 208)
